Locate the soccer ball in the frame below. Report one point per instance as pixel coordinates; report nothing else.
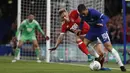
(95, 65)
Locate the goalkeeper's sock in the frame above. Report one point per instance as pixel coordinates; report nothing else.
(117, 57)
(17, 51)
(82, 47)
(37, 51)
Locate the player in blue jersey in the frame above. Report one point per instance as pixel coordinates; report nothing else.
(98, 29)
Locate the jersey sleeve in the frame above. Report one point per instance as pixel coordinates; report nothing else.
(39, 28)
(85, 28)
(20, 27)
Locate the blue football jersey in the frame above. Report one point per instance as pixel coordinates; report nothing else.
(93, 18)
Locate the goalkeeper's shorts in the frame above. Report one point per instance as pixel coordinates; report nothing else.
(27, 38)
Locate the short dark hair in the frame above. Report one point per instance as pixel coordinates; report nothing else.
(81, 7)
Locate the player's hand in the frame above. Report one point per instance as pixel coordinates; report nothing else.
(66, 19)
(52, 49)
(77, 32)
(99, 24)
(47, 38)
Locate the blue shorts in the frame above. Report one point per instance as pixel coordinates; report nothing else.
(103, 36)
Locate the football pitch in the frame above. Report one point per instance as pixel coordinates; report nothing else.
(33, 67)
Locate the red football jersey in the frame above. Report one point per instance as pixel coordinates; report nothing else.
(74, 23)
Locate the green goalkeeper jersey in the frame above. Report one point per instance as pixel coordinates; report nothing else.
(28, 29)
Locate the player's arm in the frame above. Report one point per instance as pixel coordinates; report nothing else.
(83, 27)
(74, 16)
(20, 28)
(40, 30)
(59, 40)
(60, 37)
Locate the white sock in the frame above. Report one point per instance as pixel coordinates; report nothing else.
(17, 57)
(37, 58)
(95, 53)
(116, 55)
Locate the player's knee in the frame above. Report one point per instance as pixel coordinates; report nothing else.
(93, 44)
(108, 46)
(78, 39)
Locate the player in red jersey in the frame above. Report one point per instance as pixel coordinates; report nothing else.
(71, 22)
(74, 20)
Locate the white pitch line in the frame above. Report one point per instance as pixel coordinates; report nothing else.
(88, 66)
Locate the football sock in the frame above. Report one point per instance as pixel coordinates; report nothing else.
(17, 50)
(83, 47)
(95, 53)
(37, 51)
(117, 57)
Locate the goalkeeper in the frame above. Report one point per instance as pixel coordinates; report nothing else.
(27, 29)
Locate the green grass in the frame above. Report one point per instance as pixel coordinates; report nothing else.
(32, 67)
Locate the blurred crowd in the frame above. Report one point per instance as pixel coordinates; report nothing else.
(115, 28)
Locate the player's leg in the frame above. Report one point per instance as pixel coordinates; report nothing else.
(107, 44)
(82, 45)
(37, 50)
(93, 45)
(96, 46)
(88, 41)
(101, 58)
(17, 50)
(99, 48)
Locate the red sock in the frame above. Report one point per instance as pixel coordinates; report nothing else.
(83, 47)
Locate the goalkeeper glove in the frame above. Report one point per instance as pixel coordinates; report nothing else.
(46, 37)
(52, 49)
